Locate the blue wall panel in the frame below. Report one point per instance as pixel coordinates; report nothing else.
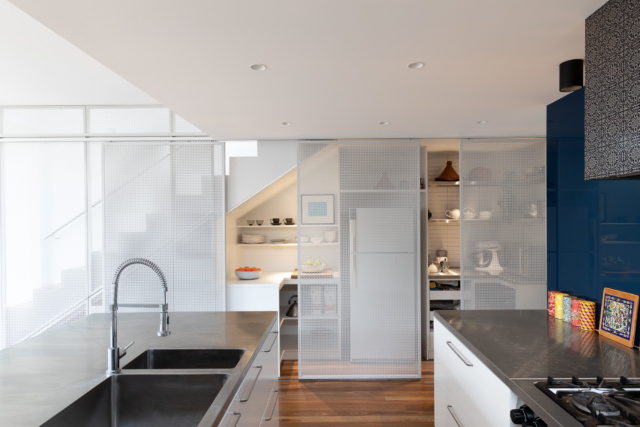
(593, 226)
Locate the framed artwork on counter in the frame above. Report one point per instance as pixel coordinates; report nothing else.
(618, 316)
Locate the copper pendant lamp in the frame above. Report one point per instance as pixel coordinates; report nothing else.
(448, 174)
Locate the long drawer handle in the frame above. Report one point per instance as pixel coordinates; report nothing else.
(449, 407)
(250, 388)
(455, 350)
(231, 423)
(273, 408)
(275, 336)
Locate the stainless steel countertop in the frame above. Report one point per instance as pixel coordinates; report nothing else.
(45, 374)
(524, 346)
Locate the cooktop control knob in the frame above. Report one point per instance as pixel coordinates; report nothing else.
(523, 416)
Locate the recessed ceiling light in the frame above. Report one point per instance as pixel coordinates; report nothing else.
(384, 123)
(286, 123)
(415, 65)
(481, 122)
(258, 67)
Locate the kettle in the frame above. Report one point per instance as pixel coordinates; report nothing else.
(293, 308)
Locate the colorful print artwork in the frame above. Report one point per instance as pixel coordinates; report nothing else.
(618, 315)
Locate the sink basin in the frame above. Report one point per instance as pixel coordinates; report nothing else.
(187, 359)
(143, 400)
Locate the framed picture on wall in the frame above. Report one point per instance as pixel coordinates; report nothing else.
(317, 209)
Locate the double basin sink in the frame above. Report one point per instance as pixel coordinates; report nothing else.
(154, 399)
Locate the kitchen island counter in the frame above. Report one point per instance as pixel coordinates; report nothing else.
(522, 346)
(43, 375)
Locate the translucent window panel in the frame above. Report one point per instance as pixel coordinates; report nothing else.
(360, 316)
(42, 120)
(504, 247)
(132, 120)
(180, 125)
(45, 235)
(164, 202)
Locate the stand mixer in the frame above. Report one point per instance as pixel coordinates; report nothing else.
(488, 263)
(442, 260)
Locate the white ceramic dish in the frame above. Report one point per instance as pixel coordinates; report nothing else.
(316, 240)
(248, 275)
(312, 268)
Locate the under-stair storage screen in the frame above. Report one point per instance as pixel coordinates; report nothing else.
(165, 202)
(44, 267)
(358, 251)
(504, 224)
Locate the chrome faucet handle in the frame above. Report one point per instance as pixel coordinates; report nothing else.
(123, 351)
(164, 322)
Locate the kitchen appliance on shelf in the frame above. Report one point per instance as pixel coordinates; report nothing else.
(487, 257)
(382, 283)
(293, 308)
(442, 260)
(595, 403)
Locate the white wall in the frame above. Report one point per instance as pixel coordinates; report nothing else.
(41, 68)
(248, 175)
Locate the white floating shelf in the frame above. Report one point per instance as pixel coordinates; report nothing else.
(444, 295)
(445, 184)
(444, 221)
(267, 226)
(264, 245)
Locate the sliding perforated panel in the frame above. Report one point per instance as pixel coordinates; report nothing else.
(359, 316)
(116, 120)
(504, 228)
(165, 202)
(42, 120)
(46, 279)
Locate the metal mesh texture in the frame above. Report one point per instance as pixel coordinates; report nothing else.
(43, 196)
(65, 121)
(42, 120)
(104, 120)
(165, 202)
(360, 316)
(504, 246)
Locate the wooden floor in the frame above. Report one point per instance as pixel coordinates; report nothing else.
(362, 403)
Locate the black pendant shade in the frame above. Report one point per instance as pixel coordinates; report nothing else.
(571, 75)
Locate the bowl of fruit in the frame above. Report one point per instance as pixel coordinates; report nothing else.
(312, 266)
(248, 273)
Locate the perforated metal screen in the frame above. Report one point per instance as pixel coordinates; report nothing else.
(359, 216)
(165, 202)
(504, 228)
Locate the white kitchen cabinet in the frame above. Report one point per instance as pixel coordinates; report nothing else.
(255, 399)
(261, 294)
(447, 413)
(464, 382)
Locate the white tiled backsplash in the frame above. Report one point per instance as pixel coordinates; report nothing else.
(445, 236)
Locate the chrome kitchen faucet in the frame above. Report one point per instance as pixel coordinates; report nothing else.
(114, 353)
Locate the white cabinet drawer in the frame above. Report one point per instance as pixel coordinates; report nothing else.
(477, 392)
(447, 413)
(255, 391)
(271, 412)
(231, 419)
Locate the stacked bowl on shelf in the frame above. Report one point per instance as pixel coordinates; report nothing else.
(253, 239)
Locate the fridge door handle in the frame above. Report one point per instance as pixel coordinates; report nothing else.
(353, 280)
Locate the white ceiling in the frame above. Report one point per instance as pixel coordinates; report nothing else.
(38, 67)
(336, 68)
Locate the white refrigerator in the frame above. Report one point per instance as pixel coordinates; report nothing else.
(383, 282)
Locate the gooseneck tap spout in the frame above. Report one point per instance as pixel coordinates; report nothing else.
(114, 353)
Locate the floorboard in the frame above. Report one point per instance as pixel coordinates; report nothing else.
(361, 403)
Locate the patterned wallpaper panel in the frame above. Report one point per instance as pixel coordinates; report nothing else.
(612, 91)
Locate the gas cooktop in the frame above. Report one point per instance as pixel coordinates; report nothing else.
(597, 403)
